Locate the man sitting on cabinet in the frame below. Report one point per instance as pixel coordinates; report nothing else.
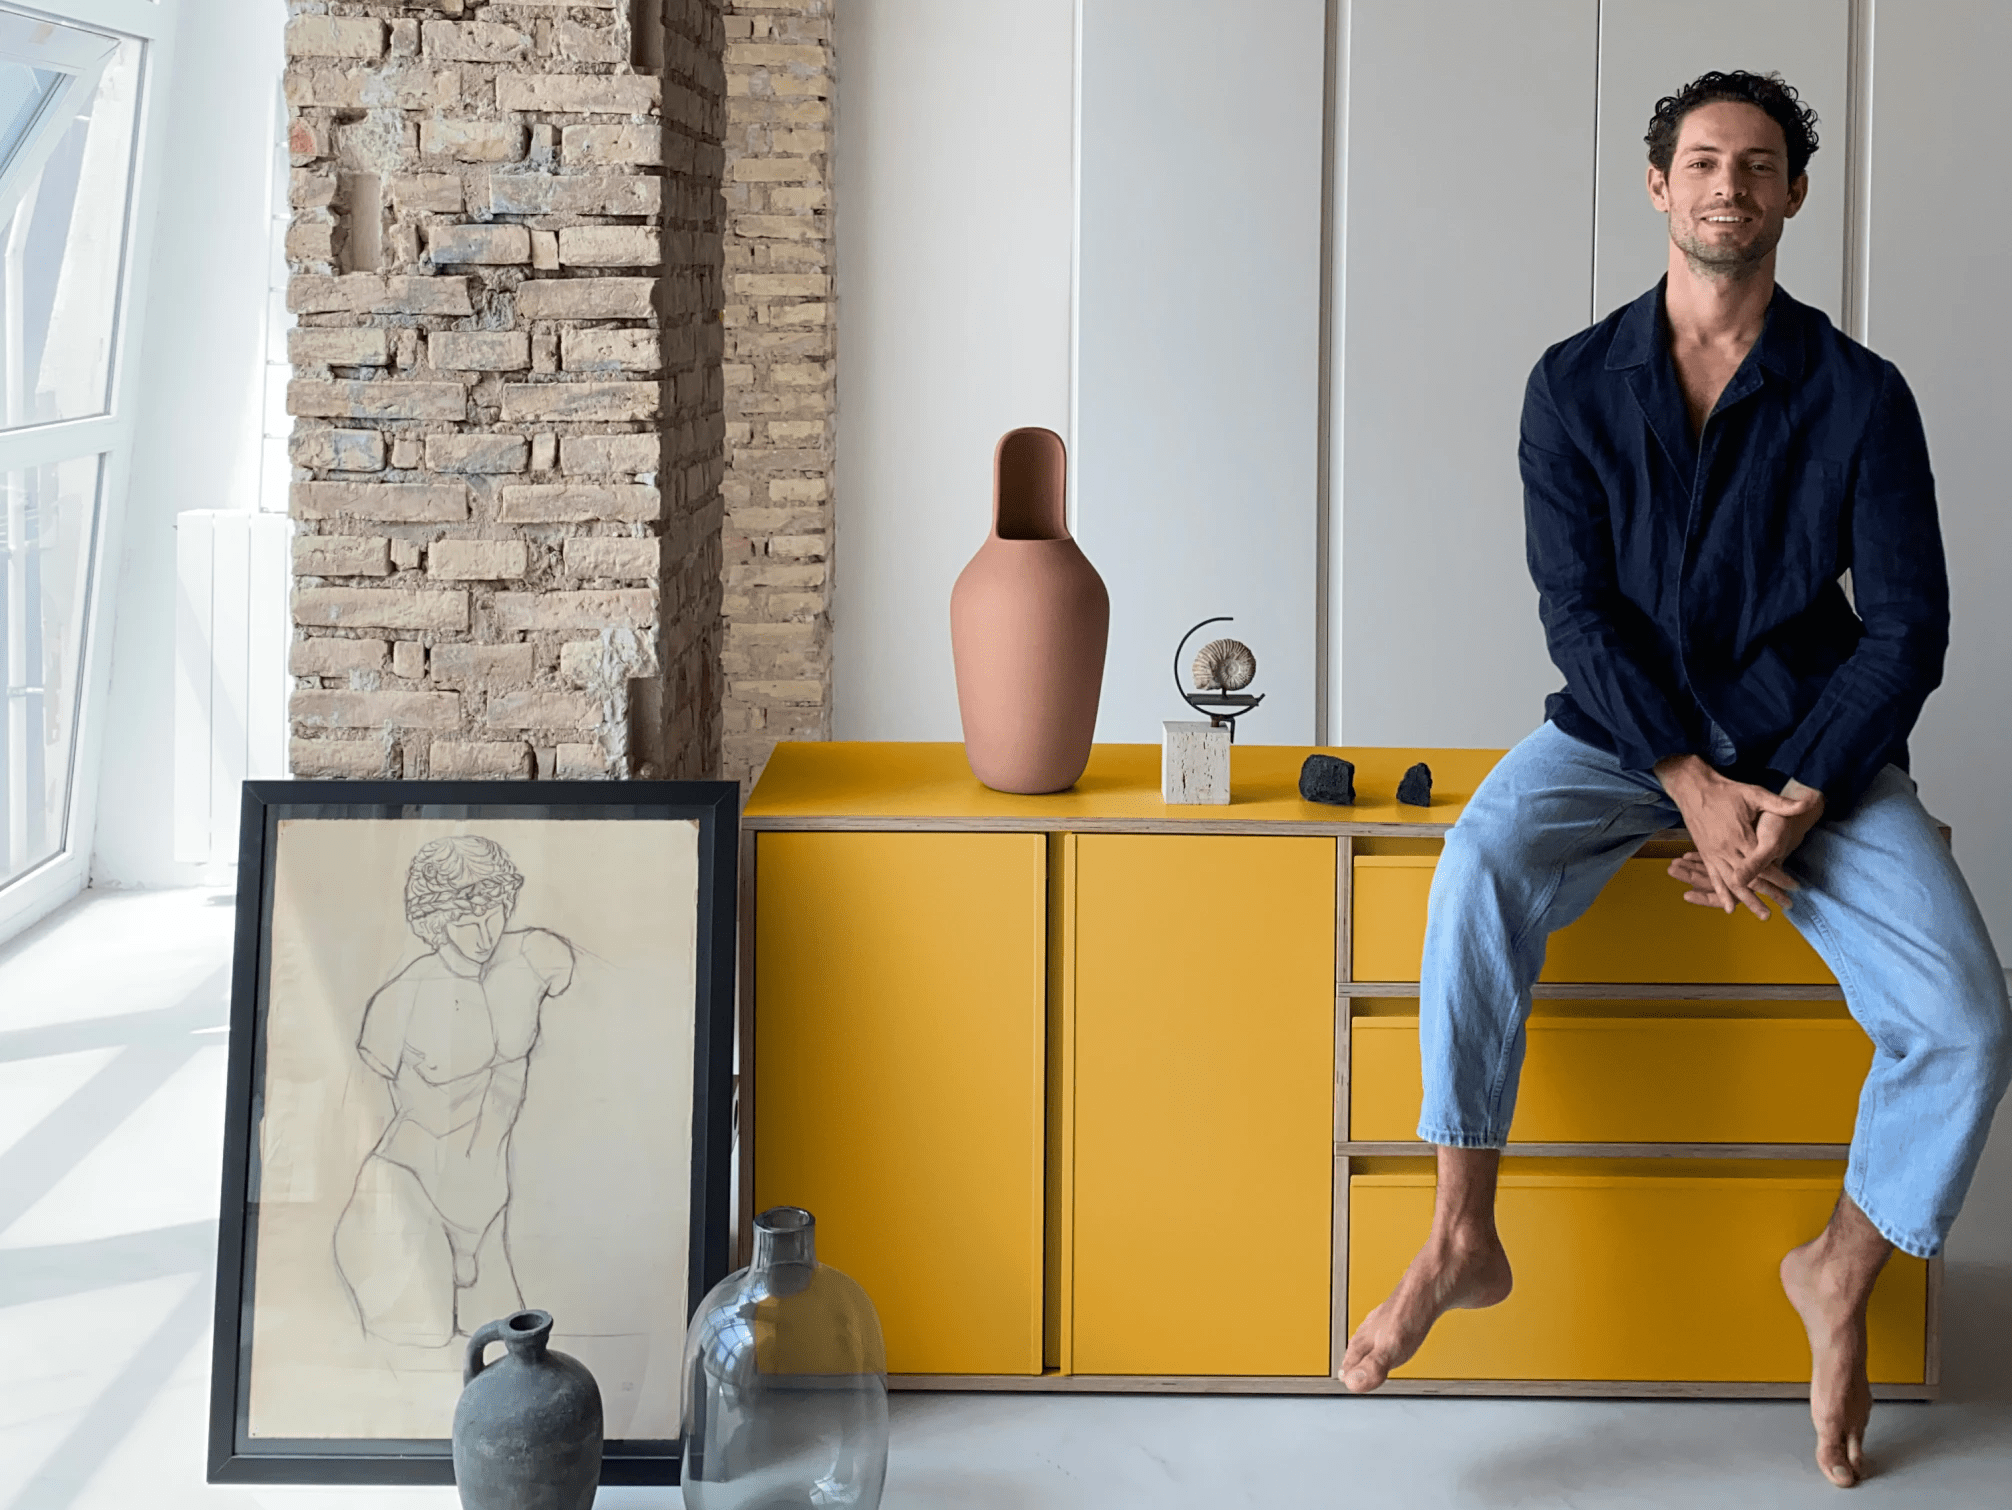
(1700, 470)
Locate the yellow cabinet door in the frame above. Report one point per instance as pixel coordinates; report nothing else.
(1641, 1269)
(898, 1065)
(1643, 1077)
(1638, 931)
(1200, 1066)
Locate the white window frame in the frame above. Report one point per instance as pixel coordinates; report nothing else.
(45, 887)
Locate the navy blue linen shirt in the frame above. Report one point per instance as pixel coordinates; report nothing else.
(1685, 583)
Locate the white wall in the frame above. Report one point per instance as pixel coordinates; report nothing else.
(1941, 310)
(196, 443)
(1198, 346)
(954, 202)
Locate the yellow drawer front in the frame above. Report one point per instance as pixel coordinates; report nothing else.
(1640, 1079)
(1640, 930)
(1625, 1272)
(899, 1044)
(1203, 1099)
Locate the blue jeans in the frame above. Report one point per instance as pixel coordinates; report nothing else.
(1881, 901)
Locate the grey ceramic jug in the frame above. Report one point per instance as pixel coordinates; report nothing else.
(527, 1429)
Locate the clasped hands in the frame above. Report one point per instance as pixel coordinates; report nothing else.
(1742, 832)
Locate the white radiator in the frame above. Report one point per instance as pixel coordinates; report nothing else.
(232, 629)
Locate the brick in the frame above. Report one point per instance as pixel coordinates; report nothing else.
(542, 710)
(618, 608)
(473, 42)
(376, 710)
(775, 55)
(476, 560)
(545, 251)
(395, 86)
(592, 146)
(496, 245)
(484, 666)
(580, 401)
(368, 294)
(341, 556)
(308, 346)
(331, 450)
(579, 762)
(587, 44)
(438, 192)
(574, 194)
(479, 350)
(610, 246)
(585, 298)
(398, 502)
(355, 759)
(477, 759)
(323, 656)
(332, 37)
(601, 350)
(310, 398)
(379, 608)
(576, 502)
(408, 659)
(603, 556)
(799, 489)
(782, 227)
(595, 455)
(472, 141)
(544, 448)
(310, 240)
(775, 170)
(477, 453)
(578, 94)
(781, 285)
(307, 190)
(405, 554)
(406, 451)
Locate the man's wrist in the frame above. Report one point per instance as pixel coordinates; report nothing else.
(1675, 771)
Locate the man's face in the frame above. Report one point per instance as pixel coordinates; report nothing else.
(476, 935)
(1728, 192)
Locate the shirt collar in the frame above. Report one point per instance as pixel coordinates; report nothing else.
(1780, 348)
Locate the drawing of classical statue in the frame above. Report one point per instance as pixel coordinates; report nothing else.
(423, 1245)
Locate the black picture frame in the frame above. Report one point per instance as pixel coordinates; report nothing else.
(234, 1456)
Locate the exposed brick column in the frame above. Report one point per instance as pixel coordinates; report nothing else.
(508, 422)
(780, 343)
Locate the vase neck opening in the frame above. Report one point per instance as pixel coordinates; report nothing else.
(526, 1334)
(785, 1235)
(1029, 487)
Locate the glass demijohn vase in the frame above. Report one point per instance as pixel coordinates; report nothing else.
(785, 1383)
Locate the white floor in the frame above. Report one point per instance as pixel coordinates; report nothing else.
(112, 1030)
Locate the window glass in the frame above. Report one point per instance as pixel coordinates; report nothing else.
(63, 180)
(47, 526)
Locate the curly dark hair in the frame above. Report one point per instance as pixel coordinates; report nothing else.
(1767, 91)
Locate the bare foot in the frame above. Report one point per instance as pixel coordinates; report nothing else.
(1840, 1399)
(1449, 1274)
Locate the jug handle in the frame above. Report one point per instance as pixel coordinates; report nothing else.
(488, 1332)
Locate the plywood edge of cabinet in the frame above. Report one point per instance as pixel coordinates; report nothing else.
(1059, 1125)
(1583, 1389)
(1624, 991)
(744, 1079)
(1415, 1150)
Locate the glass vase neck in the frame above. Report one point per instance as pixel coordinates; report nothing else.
(785, 1235)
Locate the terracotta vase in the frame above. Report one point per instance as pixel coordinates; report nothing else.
(1028, 621)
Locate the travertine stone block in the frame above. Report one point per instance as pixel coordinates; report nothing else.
(581, 762)
(597, 349)
(479, 350)
(402, 502)
(473, 42)
(602, 455)
(591, 146)
(618, 608)
(574, 194)
(579, 401)
(472, 141)
(310, 346)
(334, 450)
(604, 556)
(334, 37)
(377, 710)
(1194, 763)
(579, 94)
(341, 556)
(310, 398)
(328, 656)
(484, 667)
(472, 759)
(408, 660)
(496, 245)
(350, 759)
(542, 710)
(586, 299)
(477, 453)
(368, 294)
(379, 608)
(576, 502)
(610, 246)
(476, 560)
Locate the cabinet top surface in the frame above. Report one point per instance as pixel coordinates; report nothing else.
(816, 785)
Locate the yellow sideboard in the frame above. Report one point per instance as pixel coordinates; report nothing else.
(1090, 1092)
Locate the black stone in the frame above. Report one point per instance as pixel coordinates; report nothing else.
(1415, 790)
(1328, 778)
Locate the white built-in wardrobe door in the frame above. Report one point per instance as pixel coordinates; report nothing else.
(1651, 48)
(1466, 249)
(1199, 343)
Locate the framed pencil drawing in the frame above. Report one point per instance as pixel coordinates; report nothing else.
(481, 1059)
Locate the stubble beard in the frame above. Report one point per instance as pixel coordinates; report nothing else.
(1732, 264)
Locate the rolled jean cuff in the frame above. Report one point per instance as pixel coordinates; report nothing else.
(1912, 1244)
(1446, 1137)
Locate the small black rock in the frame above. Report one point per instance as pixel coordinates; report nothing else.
(1328, 778)
(1415, 790)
